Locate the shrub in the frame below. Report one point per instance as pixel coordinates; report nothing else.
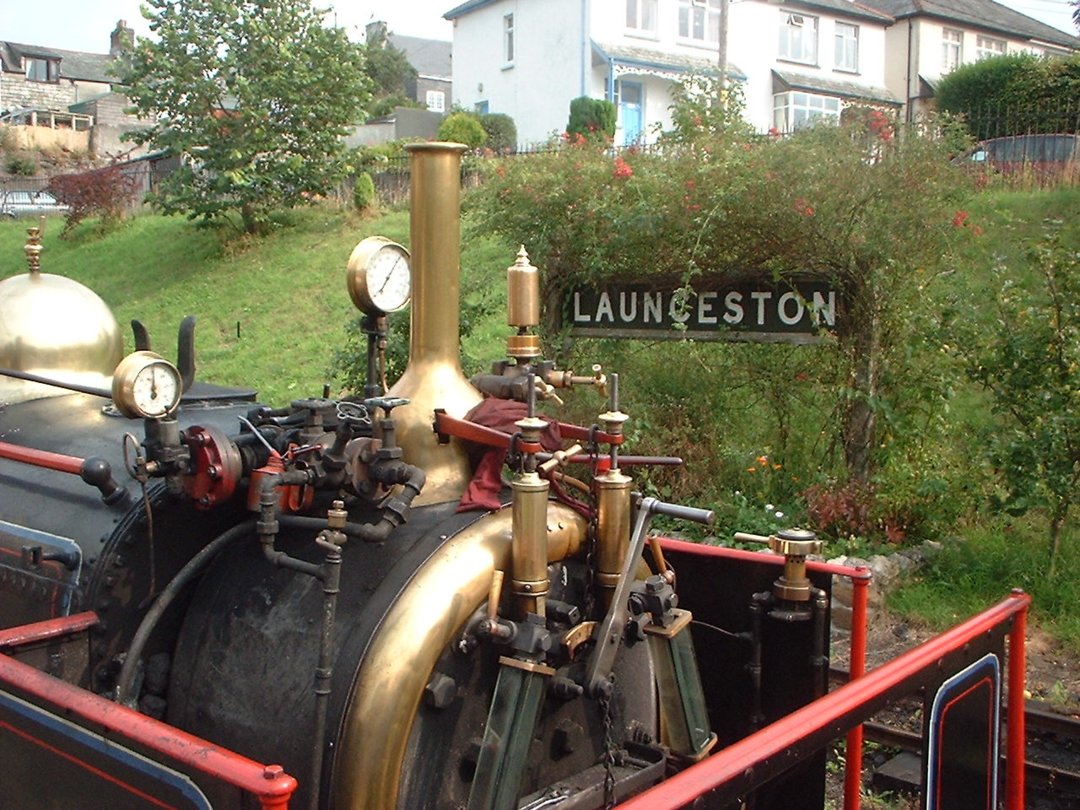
(592, 118)
(462, 127)
(21, 164)
(501, 132)
(363, 192)
(1014, 94)
(106, 193)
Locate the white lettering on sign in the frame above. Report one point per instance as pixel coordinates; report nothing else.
(795, 310)
(603, 309)
(704, 307)
(820, 309)
(733, 306)
(654, 307)
(761, 297)
(787, 314)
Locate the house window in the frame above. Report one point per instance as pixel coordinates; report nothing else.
(847, 47)
(481, 107)
(952, 43)
(699, 20)
(798, 38)
(508, 38)
(641, 15)
(436, 100)
(39, 69)
(795, 110)
(985, 47)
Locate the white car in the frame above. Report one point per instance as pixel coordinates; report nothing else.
(29, 203)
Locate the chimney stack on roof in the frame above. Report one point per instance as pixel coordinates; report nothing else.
(121, 39)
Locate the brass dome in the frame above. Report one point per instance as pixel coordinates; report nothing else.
(54, 327)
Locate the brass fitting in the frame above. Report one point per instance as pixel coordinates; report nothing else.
(528, 547)
(612, 530)
(796, 545)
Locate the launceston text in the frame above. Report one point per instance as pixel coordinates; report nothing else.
(804, 308)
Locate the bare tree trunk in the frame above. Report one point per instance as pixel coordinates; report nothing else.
(860, 418)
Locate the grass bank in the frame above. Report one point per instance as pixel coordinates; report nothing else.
(273, 313)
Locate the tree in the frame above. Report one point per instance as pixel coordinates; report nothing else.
(254, 95)
(392, 77)
(592, 117)
(1030, 364)
(462, 127)
(501, 132)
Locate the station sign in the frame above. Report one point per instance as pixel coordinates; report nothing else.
(792, 312)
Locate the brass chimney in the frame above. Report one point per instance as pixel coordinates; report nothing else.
(433, 378)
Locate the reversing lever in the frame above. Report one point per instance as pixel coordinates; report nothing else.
(598, 673)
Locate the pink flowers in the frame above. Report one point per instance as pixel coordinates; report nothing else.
(622, 169)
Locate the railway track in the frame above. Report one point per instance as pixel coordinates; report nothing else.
(1052, 768)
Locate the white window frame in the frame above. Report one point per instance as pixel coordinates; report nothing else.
(508, 39)
(846, 51)
(41, 69)
(795, 109)
(641, 17)
(699, 21)
(798, 38)
(952, 49)
(986, 47)
(436, 100)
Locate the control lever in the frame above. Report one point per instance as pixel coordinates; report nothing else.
(597, 675)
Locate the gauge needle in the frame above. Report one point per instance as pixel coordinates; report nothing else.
(153, 383)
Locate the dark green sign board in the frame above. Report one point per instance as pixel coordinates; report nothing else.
(798, 312)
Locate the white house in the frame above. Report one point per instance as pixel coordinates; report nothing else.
(931, 37)
(796, 60)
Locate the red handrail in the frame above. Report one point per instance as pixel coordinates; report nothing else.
(269, 783)
(844, 708)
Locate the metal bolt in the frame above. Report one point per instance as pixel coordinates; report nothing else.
(273, 771)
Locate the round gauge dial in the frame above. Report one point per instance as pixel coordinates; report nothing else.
(146, 385)
(379, 277)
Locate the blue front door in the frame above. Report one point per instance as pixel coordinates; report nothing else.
(631, 98)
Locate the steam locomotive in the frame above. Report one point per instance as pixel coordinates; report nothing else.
(421, 596)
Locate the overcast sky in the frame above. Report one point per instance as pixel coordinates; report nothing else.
(84, 25)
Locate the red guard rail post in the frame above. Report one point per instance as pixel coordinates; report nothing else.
(856, 669)
(1015, 754)
(860, 577)
(838, 710)
(269, 783)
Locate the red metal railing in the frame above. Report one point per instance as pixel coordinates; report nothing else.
(269, 783)
(738, 765)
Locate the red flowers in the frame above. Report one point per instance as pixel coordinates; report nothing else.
(803, 207)
(622, 169)
(959, 218)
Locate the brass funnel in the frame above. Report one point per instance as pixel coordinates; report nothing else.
(433, 377)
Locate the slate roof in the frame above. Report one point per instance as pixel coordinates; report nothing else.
(844, 8)
(430, 57)
(661, 60)
(832, 87)
(74, 65)
(465, 8)
(985, 14)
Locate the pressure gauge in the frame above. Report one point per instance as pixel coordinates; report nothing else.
(146, 385)
(379, 277)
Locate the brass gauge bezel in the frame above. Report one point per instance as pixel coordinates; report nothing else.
(128, 383)
(375, 289)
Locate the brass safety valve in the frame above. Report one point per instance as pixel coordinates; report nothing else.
(796, 545)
